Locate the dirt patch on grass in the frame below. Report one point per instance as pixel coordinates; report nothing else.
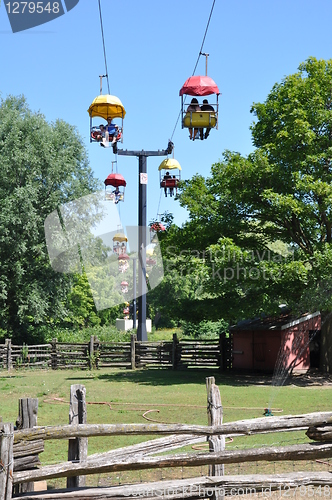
(311, 379)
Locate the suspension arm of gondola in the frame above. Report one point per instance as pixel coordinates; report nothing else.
(206, 60)
(101, 83)
(159, 152)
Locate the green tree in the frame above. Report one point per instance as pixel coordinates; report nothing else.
(43, 165)
(80, 306)
(280, 196)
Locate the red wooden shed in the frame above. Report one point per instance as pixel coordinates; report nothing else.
(258, 344)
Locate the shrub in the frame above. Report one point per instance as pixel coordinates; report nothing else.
(103, 333)
(204, 329)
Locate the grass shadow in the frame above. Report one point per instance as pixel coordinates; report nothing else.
(79, 378)
(166, 377)
(159, 377)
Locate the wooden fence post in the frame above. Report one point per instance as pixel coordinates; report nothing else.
(54, 358)
(77, 447)
(174, 352)
(91, 352)
(27, 418)
(215, 417)
(97, 350)
(9, 362)
(6, 461)
(221, 352)
(132, 352)
(27, 413)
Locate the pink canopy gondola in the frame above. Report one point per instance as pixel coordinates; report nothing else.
(124, 286)
(157, 226)
(199, 86)
(123, 256)
(199, 116)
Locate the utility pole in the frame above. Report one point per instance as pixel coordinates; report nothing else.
(134, 292)
(142, 234)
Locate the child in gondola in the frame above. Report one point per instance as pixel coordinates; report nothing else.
(111, 131)
(117, 195)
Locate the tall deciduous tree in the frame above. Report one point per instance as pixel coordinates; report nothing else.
(280, 196)
(42, 166)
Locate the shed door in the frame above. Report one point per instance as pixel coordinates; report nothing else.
(259, 350)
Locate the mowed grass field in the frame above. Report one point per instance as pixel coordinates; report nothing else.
(123, 396)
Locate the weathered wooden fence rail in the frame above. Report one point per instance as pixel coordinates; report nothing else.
(241, 427)
(140, 456)
(174, 355)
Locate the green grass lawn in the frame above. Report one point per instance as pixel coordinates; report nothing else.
(177, 397)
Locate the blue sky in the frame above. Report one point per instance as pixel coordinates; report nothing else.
(152, 48)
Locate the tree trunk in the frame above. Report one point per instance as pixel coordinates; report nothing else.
(326, 343)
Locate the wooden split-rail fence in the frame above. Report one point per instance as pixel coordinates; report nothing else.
(19, 450)
(134, 354)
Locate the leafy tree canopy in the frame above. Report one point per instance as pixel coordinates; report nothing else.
(259, 228)
(43, 165)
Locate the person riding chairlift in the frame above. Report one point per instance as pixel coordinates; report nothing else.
(193, 107)
(112, 131)
(165, 178)
(171, 188)
(206, 107)
(117, 194)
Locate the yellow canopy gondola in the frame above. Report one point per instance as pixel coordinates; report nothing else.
(169, 164)
(106, 106)
(120, 237)
(120, 243)
(166, 180)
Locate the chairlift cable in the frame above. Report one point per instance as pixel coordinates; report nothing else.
(199, 55)
(206, 30)
(104, 48)
(116, 169)
(159, 204)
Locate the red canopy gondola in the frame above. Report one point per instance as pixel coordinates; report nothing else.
(199, 86)
(115, 180)
(199, 116)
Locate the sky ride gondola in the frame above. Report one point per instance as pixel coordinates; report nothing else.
(167, 181)
(157, 227)
(116, 181)
(150, 259)
(120, 243)
(123, 262)
(108, 107)
(126, 310)
(200, 115)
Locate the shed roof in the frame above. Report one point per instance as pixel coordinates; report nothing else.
(285, 320)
